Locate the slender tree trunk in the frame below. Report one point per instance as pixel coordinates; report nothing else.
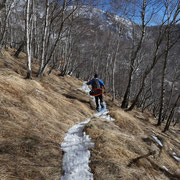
(113, 72)
(29, 71)
(170, 98)
(127, 92)
(44, 38)
(107, 62)
(19, 49)
(133, 58)
(8, 12)
(161, 105)
(34, 32)
(32, 26)
(171, 114)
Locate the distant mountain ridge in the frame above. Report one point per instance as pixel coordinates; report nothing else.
(105, 20)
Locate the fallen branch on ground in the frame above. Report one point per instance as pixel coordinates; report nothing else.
(141, 157)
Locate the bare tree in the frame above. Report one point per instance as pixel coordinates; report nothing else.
(168, 38)
(64, 18)
(114, 59)
(133, 56)
(171, 114)
(44, 39)
(29, 28)
(9, 7)
(158, 54)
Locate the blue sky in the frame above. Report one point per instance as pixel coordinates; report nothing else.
(153, 5)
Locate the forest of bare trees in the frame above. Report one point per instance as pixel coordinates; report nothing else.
(134, 46)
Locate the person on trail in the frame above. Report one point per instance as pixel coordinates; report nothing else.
(97, 84)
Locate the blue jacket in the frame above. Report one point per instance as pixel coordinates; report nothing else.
(100, 82)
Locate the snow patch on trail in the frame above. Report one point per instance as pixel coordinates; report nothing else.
(76, 158)
(85, 87)
(104, 114)
(76, 146)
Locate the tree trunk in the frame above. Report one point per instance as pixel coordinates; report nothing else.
(8, 12)
(44, 38)
(161, 103)
(133, 58)
(29, 73)
(19, 49)
(113, 72)
(171, 114)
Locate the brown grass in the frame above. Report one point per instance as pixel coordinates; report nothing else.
(128, 137)
(34, 117)
(126, 121)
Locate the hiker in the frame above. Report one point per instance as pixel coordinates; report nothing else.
(97, 84)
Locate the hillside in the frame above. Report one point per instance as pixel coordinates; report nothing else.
(36, 114)
(34, 117)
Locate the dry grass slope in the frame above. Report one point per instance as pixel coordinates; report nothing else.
(128, 137)
(34, 117)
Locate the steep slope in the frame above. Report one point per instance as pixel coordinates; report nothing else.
(34, 117)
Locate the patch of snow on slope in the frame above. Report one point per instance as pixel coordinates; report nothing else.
(123, 20)
(85, 87)
(104, 114)
(164, 167)
(177, 158)
(76, 158)
(157, 140)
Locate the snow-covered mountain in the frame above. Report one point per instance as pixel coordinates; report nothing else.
(105, 20)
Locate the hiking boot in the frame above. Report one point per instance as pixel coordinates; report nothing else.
(97, 109)
(102, 105)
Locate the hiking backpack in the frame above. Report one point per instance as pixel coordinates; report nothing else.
(96, 84)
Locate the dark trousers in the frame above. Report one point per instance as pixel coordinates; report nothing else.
(97, 98)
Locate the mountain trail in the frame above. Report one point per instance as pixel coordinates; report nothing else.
(76, 146)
